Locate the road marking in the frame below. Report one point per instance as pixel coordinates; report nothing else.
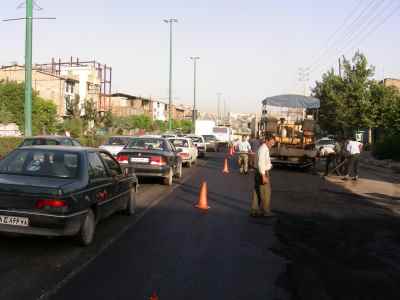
(111, 241)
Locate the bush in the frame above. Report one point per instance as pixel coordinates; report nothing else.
(7, 144)
(388, 147)
(92, 141)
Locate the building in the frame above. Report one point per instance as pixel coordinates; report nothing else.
(124, 105)
(58, 89)
(10, 129)
(62, 82)
(392, 82)
(94, 79)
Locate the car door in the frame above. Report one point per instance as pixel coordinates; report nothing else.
(100, 185)
(120, 183)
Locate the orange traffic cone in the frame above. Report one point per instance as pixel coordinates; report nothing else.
(203, 197)
(226, 169)
(154, 296)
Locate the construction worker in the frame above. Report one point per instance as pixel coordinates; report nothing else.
(353, 149)
(261, 201)
(244, 149)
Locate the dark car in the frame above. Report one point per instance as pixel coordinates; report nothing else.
(62, 191)
(152, 157)
(49, 140)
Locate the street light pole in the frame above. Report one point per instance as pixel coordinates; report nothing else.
(194, 113)
(218, 109)
(28, 68)
(170, 22)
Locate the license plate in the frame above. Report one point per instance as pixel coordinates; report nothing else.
(140, 159)
(15, 221)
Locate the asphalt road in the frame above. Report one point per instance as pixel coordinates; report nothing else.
(169, 247)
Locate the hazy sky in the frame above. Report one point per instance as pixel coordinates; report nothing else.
(249, 49)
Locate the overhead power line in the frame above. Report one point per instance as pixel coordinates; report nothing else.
(350, 30)
(372, 25)
(339, 29)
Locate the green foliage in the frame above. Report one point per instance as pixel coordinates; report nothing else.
(7, 144)
(355, 100)
(185, 126)
(388, 147)
(12, 108)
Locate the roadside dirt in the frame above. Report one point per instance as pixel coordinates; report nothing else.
(341, 244)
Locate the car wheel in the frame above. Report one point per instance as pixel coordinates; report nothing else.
(168, 180)
(179, 171)
(131, 203)
(88, 228)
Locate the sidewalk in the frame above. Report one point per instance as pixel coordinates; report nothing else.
(368, 160)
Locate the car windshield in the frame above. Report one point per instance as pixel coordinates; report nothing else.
(325, 142)
(39, 141)
(118, 141)
(180, 143)
(147, 144)
(209, 138)
(196, 139)
(41, 163)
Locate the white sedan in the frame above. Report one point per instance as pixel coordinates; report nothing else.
(188, 152)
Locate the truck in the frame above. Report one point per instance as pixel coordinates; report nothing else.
(293, 120)
(208, 129)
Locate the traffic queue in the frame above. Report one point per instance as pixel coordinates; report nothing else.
(53, 186)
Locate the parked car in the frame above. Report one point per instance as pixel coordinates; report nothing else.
(115, 144)
(324, 143)
(152, 157)
(188, 151)
(200, 143)
(49, 140)
(62, 191)
(211, 142)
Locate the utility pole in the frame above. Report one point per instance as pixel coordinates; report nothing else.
(218, 108)
(304, 74)
(194, 113)
(340, 68)
(170, 22)
(28, 68)
(29, 4)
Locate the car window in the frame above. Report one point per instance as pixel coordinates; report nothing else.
(76, 143)
(111, 164)
(66, 142)
(51, 142)
(147, 144)
(96, 166)
(44, 163)
(196, 139)
(118, 141)
(169, 146)
(179, 143)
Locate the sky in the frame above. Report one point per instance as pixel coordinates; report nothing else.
(248, 50)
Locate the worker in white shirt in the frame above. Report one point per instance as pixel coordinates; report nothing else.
(244, 149)
(261, 202)
(353, 149)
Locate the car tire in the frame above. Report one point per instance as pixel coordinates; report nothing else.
(131, 203)
(179, 171)
(86, 233)
(168, 180)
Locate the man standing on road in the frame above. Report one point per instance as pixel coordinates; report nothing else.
(244, 149)
(261, 202)
(354, 149)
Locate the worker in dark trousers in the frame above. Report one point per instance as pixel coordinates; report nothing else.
(261, 198)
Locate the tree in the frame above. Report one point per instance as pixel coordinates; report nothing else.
(12, 108)
(346, 102)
